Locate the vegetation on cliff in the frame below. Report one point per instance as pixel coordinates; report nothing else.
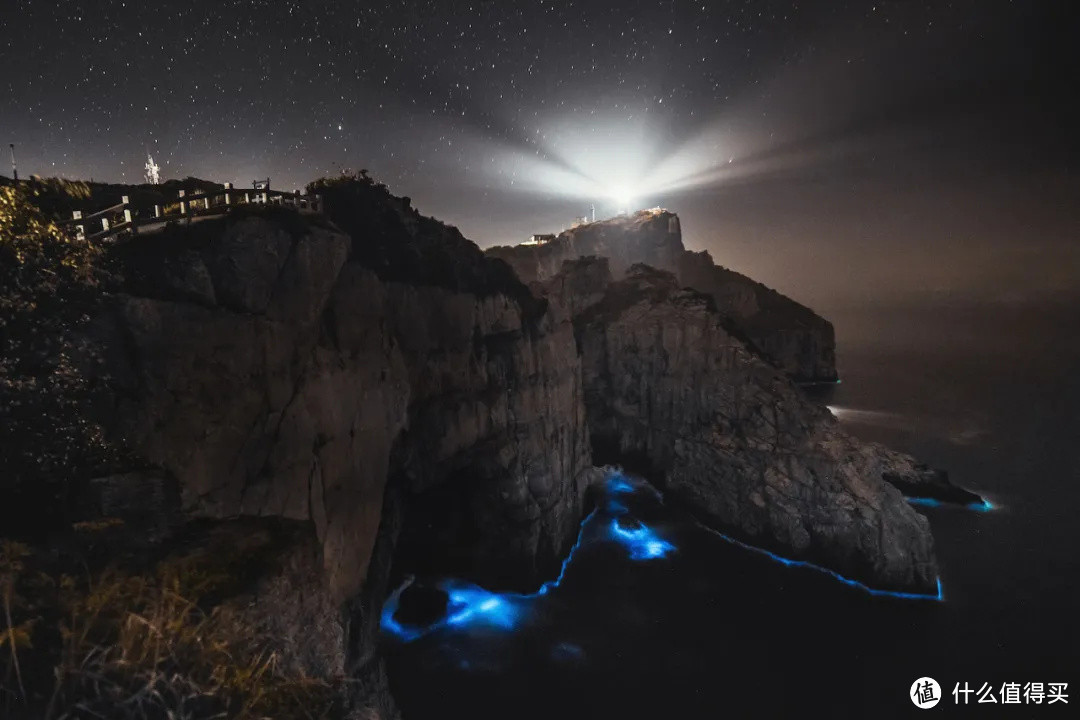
(97, 620)
(145, 637)
(49, 281)
(393, 239)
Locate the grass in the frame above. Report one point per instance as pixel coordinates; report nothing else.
(142, 645)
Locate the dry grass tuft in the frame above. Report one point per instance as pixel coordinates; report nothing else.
(143, 647)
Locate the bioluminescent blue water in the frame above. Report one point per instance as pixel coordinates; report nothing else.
(714, 630)
(939, 595)
(471, 606)
(984, 506)
(467, 604)
(642, 541)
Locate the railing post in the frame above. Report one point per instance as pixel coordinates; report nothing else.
(129, 216)
(157, 211)
(228, 198)
(183, 204)
(80, 229)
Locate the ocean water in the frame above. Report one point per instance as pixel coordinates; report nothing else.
(699, 627)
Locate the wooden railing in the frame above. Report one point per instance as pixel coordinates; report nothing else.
(126, 218)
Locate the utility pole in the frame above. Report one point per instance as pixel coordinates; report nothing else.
(14, 170)
(592, 212)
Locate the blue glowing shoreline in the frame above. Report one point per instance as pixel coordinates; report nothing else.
(470, 604)
(984, 506)
(788, 562)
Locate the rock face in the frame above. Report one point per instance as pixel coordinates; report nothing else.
(919, 480)
(399, 397)
(297, 381)
(798, 340)
(789, 334)
(671, 389)
(272, 366)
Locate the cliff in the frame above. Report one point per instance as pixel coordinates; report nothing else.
(789, 334)
(371, 395)
(391, 378)
(672, 391)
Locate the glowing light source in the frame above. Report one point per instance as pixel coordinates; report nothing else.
(153, 170)
(623, 198)
(627, 159)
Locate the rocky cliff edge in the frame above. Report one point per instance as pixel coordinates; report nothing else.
(790, 335)
(673, 391)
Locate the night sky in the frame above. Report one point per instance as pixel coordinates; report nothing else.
(846, 153)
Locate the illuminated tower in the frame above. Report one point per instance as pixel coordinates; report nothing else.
(153, 171)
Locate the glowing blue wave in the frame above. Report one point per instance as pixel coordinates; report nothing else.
(643, 542)
(832, 573)
(547, 587)
(984, 506)
(469, 605)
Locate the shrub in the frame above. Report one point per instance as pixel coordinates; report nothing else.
(48, 281)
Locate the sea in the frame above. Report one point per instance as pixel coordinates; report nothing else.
(657, 617)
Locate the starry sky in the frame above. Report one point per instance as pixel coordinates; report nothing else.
(843, 152)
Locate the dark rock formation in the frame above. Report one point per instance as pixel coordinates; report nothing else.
(405, 403)
(799, 340)
(296, 382)
(422, 605)
(919, 480)
(791, 335)
(268, 365)
(651, 238)
(670, 390)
